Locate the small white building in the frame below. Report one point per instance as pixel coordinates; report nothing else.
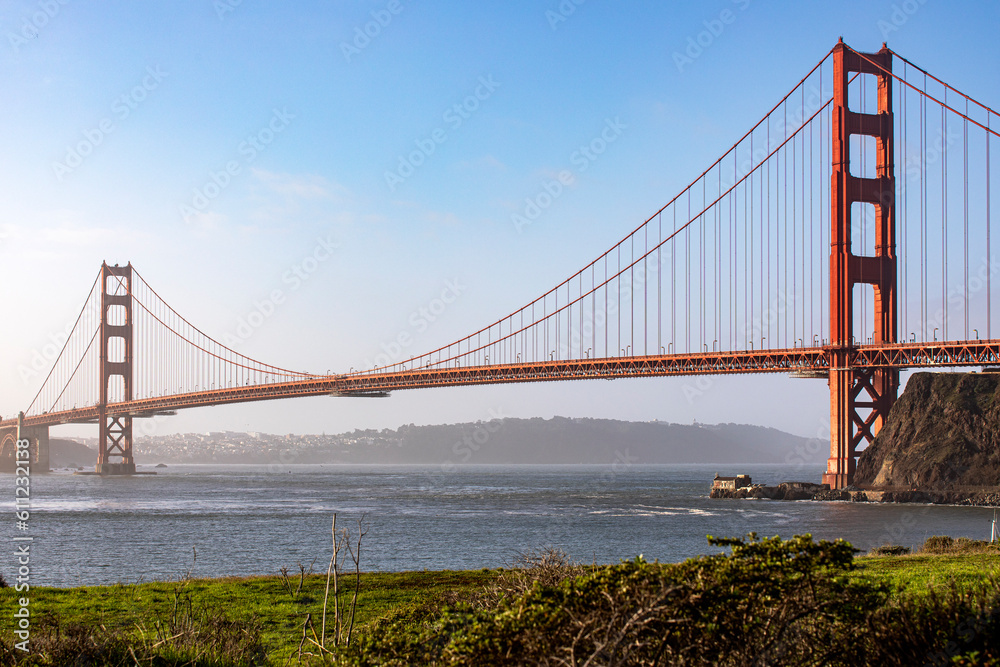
(731, 483)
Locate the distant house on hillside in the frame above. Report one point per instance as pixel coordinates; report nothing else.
(731, 483)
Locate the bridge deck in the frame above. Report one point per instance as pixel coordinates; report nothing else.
(809, 359)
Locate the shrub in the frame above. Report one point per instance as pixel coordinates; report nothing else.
(767, 602)
(889, 550)
(187, 637)
(546, 567)
(953, 627)
(770, 601)
(937, 544)
(942, 544)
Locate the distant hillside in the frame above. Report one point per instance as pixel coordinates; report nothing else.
(70, 454)
(507, 441)
(564, 440)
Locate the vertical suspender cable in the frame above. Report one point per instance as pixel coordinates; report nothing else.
(965, 221)
(944, 219)
(783, 221)
(923, 213)
(766, 265)
(903, 191)
(748, 248)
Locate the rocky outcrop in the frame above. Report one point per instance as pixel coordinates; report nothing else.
(977, 498)
(941, 442)
(806, 491)
(783, 491)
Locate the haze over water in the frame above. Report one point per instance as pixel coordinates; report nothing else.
(246, 520)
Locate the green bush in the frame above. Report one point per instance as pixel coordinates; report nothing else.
(770, 601)
(954, 627)
(767, 602)
(943, 544)
(889, 550)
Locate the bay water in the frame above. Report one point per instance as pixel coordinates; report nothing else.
(221, 520)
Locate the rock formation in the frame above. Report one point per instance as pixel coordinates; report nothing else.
(942, 435)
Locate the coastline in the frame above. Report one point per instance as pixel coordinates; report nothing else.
(820, 492)
(267, 613)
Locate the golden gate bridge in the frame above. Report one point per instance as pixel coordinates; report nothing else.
(845, 236)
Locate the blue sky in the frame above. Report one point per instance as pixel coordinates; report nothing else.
(228, 141)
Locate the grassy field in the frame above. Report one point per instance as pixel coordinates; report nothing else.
(137, 607)
(921, 573)
(278, 609)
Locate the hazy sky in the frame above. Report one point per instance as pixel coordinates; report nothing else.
(219, 146)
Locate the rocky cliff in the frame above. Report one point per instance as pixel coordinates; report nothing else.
(942, 437)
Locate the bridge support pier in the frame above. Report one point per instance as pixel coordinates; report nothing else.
(840, 465)
(114, 455)
(115, 442)
(870, 391)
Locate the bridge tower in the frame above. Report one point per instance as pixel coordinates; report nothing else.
(114, 455)
(854, 389)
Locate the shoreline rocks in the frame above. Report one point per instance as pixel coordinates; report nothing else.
(821, 492)
(940, 445)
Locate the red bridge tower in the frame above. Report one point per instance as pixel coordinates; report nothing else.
(114, 455)
(851, 389)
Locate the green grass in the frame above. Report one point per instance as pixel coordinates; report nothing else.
(132, 607)
(919, 573)
(281, 616)
(938, 563)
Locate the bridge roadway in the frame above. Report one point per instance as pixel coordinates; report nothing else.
(375, 383)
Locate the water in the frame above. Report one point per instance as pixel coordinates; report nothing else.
(246, 520)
